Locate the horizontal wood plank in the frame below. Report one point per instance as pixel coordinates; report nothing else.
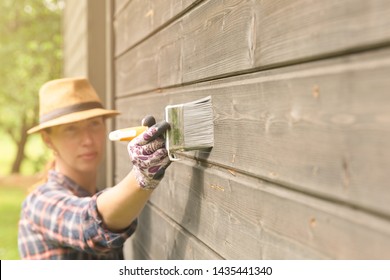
(220, 38)
(321, 128)
(299, 166)
(300, 29)
(245, 218)
(164, 239)
(143, 68)
(140, 18)
(134, 251)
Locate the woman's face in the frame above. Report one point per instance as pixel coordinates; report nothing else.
(78, 146)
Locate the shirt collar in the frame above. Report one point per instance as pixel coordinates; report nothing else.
(66, 182)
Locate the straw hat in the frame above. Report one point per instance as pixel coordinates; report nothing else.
(68, 100)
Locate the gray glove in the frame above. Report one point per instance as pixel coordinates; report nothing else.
(148, 154)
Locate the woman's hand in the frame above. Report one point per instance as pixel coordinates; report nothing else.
(148, 154)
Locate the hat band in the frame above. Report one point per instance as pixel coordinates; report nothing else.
(69, 109)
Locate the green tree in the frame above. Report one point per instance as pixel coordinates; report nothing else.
(30, 54)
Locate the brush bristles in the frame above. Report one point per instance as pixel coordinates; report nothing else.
(192, 126)
(198, 125)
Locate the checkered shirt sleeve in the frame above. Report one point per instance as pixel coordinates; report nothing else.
(57, 224)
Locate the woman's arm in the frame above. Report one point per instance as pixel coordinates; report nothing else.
(121, 205)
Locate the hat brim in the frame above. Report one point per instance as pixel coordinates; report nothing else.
(74, 117)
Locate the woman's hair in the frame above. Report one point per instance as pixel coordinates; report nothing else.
(44, 176)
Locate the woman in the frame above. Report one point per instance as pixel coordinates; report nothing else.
(64, 218)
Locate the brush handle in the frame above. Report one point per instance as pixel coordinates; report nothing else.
(127, 134)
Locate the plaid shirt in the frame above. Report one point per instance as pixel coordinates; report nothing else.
(59, 220)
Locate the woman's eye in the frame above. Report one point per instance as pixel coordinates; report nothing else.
(96, 124)
(70, 129)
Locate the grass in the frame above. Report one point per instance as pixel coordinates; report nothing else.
(10, 204)
(13, 188)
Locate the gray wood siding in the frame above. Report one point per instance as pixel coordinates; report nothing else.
(301, 96)
(219, 38)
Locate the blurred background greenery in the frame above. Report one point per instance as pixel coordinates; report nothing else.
(30, 55)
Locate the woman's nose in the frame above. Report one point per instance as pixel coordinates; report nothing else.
(87, 137)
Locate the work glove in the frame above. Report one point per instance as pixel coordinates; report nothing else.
(148, 154)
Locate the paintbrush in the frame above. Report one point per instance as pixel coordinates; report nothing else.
(191, 127)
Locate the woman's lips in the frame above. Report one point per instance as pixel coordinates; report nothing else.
(88, 156)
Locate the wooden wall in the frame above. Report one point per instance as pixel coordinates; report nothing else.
(301, 97)
(85, 49)
(75, 33)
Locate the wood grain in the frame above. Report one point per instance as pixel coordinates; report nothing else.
(140, 18)
(223, 38)
(321, 128)
(163, 239)
(300, 91)
(242, 217)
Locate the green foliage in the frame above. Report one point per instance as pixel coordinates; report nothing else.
(36, 155)
(30, 55)
(7, 151)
